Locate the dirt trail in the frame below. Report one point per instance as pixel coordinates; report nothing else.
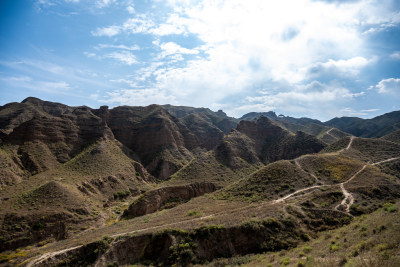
(348, 146)
(49, 255)
(296, 161)
(384, 161)
(329, 133)
(296, 192)
(347, 202)
(350, 143)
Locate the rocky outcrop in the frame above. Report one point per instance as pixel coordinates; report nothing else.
(263, 141)
(153, 200)
(161, 141)
(237, 150)
(208, 134)
(66, 131)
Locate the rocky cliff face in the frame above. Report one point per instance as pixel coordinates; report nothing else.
(156, 199)
(150, 134)
(262, 141)
(162, 142)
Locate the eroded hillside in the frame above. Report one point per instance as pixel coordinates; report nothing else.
(168, 185)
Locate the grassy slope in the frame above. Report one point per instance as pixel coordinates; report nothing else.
(205, 168)
(369, 240)
(56, 191)
(270, 182)
(330, 168)
(101, 159)
(393, 137)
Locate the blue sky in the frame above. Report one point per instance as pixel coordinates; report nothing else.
(319, 59)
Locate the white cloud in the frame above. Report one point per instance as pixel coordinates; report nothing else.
(131, 83)
(107, 31)
(131, 10)
(389, 86)
(395, 55)
(125, 57)
(352, 64)
(314, 98)
(89, 55)
(370, 110)
(352, 112)
(123, 47)
(172, 48)
(26, 82)
(139, 97)
(174, 25)
(247, 45)
(139, 24)
(104, 3)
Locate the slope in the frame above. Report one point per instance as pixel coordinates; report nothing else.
(375, 127)
(78, 193)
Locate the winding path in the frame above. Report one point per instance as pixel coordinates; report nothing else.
(296, 161)
(329, 133)
(347, 202)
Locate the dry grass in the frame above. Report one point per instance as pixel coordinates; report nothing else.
(369, 240)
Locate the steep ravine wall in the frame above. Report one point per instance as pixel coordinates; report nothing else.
(170, 247)
(154, 200)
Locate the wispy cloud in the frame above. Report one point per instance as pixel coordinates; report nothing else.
(25, 82)
(125, 57)
(107, 31)
(139, 97)
(120, 46)
(104, 3)
(395, 55)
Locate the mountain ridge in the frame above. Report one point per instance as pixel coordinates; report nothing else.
(70, 176)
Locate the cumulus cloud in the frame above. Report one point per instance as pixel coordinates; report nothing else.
(172, 48)
(312, 98)
(247, 45)
(131, 10)
(349, 67)
(389, 86)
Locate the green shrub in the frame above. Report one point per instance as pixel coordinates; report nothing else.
(194, 213)
(307, 249)
(285, 261)
(389, 207)
(333, 247)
